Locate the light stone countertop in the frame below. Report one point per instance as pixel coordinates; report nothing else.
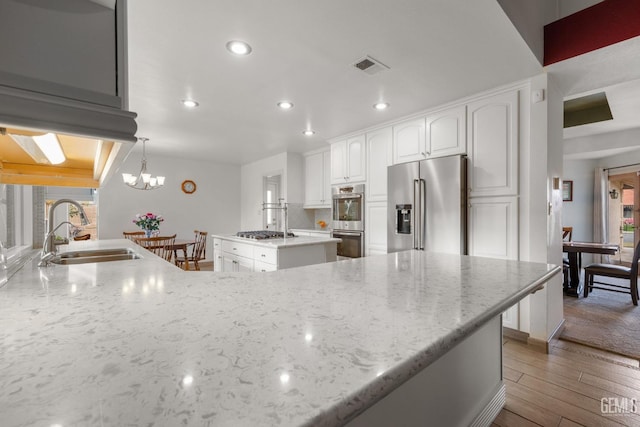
(280, 243)
(141, 342)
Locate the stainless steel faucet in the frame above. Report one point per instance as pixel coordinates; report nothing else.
(281, 205)
(49, 247)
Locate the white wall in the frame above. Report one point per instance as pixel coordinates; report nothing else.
(529, 18)
(579, 212)
(540, 228)
(289, 166)
(214, 207)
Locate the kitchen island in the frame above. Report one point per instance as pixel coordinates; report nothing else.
(141, 342)
(241, 254)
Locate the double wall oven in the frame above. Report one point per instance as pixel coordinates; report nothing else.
(348, 219)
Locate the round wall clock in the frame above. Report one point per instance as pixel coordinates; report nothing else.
(188, 186)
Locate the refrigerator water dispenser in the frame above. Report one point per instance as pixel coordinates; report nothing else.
(403, 219)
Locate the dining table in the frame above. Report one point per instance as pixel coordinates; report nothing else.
(574, 250)
(181, 245)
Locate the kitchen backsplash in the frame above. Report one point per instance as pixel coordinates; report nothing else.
(299, 217)
(307, 218)
(322, 215)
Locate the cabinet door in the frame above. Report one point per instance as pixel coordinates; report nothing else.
(379, 157)
(218, 261)
(326, 179)
(244, 265)
(409, 141)
(493, 227)
(339, 162)
(446, 132)
(228, 263)
(510, 317)
(314, 180)
(356, 159)
(375, 235)
(493, 137)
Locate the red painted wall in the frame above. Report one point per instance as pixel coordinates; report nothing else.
(600, 25)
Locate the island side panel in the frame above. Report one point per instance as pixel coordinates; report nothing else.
(464, 387)
(296, 256)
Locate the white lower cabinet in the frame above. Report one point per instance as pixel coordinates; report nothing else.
(234, 256)
(217, 261)
(493, 232)
(375, 235)
(217, 255)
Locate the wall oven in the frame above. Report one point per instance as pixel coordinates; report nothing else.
(348, 207)
(348, 219)
(352, 245)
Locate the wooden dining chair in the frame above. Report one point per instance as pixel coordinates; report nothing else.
(198, 253)
(567, 233)
(132, 235)
(82, 237)
(617, 272)
(161, 245)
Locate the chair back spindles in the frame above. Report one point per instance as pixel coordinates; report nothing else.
(161, 245)
(132, 235)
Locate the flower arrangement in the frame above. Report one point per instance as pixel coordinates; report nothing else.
(148, 222)
(322, 224)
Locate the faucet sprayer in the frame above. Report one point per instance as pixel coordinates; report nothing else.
(49, 247)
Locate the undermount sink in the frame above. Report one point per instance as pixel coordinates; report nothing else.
(95, 255)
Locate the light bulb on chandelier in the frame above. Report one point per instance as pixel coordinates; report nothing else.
(144, 180)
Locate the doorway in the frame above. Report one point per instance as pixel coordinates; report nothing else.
(624, 214)
(272, 217)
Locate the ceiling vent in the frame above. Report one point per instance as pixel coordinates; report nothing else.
(370, 66)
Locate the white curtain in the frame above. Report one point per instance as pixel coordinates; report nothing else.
(600, 209)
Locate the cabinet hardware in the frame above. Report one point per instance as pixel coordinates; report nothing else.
(263, 255)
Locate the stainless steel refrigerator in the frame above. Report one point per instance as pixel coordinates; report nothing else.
(427, 205)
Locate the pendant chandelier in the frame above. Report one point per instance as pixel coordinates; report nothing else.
(144, 180)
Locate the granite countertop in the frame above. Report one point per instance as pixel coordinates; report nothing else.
(280, 243)
(141, 342)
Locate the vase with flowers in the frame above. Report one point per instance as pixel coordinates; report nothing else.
(149, 222)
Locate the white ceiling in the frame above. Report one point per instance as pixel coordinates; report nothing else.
(304, 51)
(614, 70)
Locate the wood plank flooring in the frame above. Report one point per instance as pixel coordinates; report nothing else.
(565, 388)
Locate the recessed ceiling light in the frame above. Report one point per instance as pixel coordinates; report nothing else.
(285, 105)
(381, 105)
(189, 103)
(308, 132)
(238, 47)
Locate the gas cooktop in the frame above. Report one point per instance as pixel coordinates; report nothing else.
(263, 234)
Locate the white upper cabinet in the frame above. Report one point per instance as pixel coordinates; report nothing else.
(493, 145)
(409, 142)
(379, 157)
(446, 132)
(75, 54)
(317, 187)
(348, 160)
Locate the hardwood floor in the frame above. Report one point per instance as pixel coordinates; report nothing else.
(566, 387)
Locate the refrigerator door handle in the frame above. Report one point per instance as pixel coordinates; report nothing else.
(423, 212)
(416, 214)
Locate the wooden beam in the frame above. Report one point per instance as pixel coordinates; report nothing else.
(14, 173)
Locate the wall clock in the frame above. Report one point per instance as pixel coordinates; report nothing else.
(188, 186)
